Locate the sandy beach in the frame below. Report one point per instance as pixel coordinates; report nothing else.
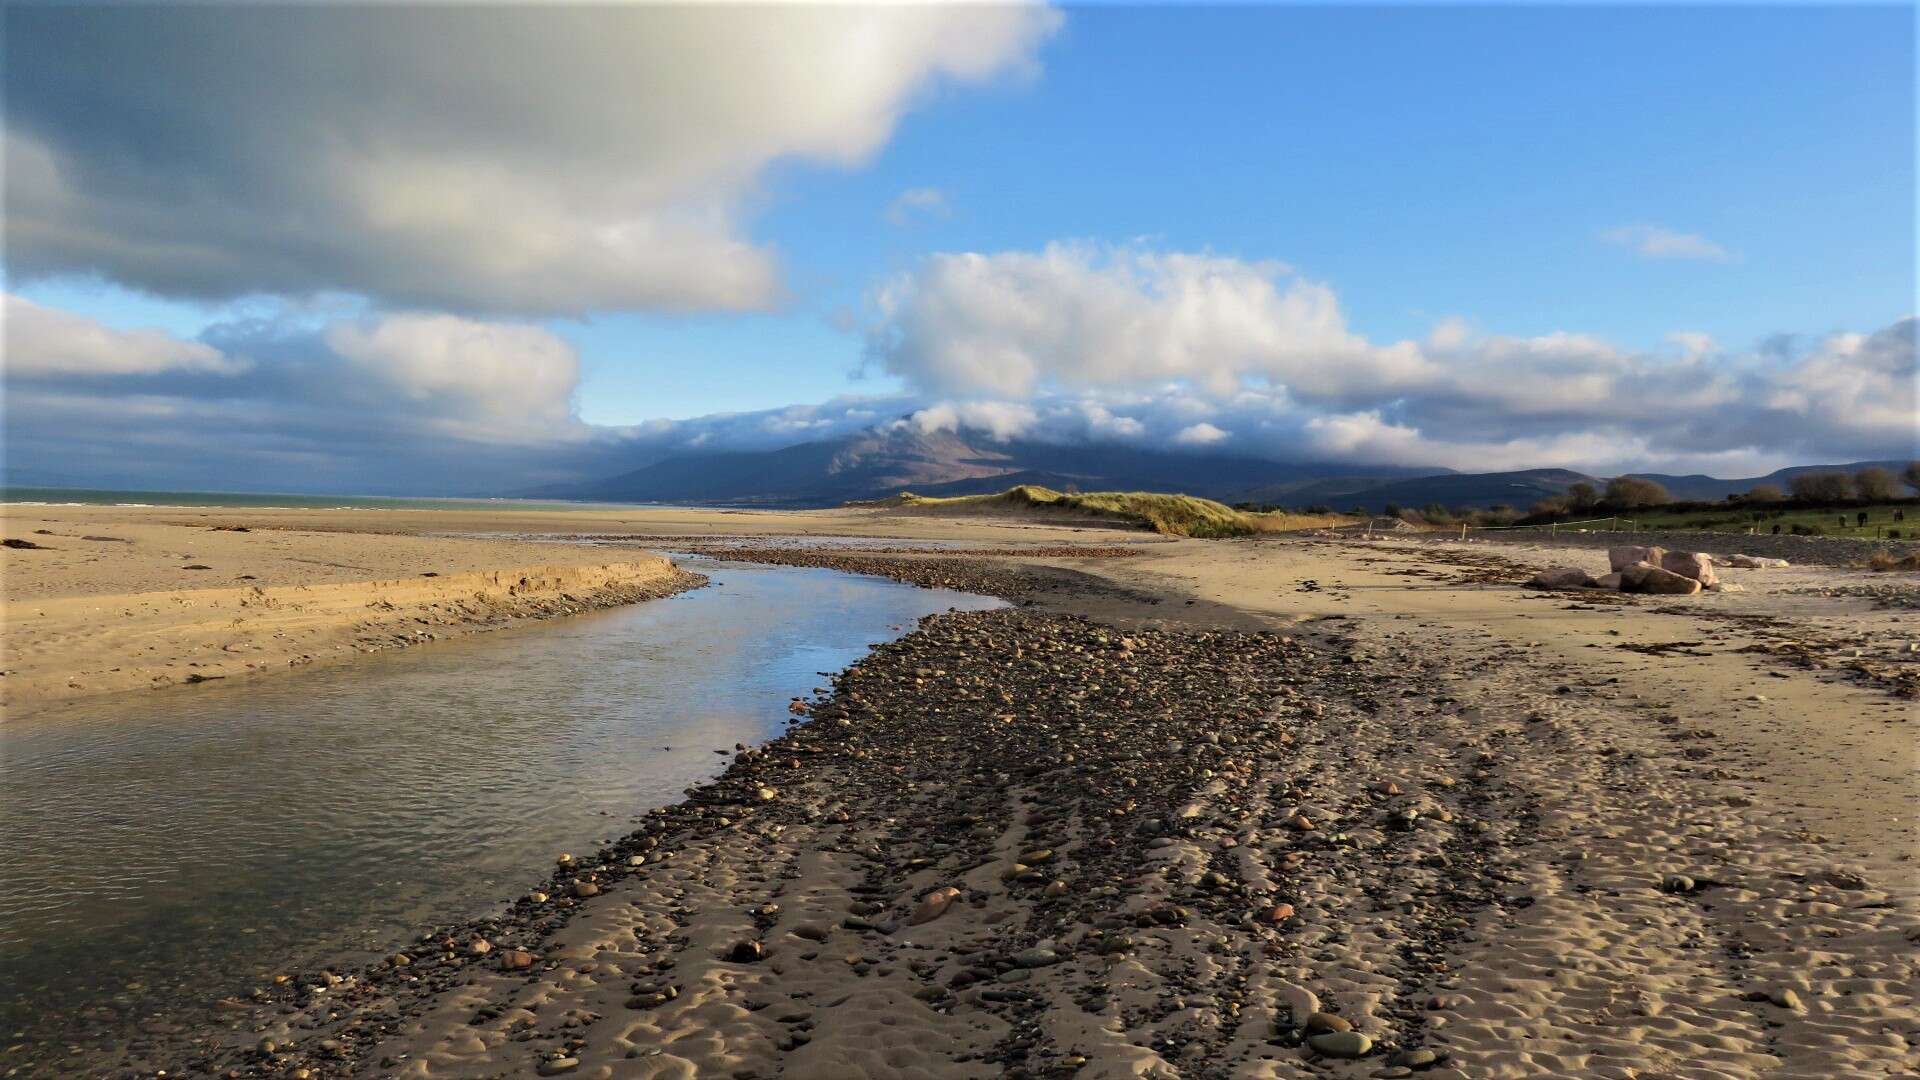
(1280, 807)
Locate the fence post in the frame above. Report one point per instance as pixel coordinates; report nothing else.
(1463, 530)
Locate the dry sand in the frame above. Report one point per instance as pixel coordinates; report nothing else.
(1551, 835)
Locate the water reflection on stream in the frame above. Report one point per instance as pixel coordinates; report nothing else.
(160, 851)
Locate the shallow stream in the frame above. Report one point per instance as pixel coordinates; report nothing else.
(160, 851)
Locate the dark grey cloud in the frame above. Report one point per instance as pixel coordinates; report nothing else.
(527, 159)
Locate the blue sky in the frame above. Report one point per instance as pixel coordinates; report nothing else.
(1426, 162)
(1623, 174)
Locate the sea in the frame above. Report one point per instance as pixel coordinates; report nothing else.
(45, 496)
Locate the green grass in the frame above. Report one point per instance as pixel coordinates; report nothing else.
(1739, 519)
(1174, 515)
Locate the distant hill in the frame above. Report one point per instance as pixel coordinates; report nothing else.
(890, 459)
(1454, 490)
(1519, 490)
(1707, 488)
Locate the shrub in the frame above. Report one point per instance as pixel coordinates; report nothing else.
(1765, 493)
(1582, 496)
(1822, 487)
(1875, 484)
(1886, 560)
(1633, 492)
(1808, 530)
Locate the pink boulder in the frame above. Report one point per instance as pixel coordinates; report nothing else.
(1691, 564)
(1646, 578)
(1619, 558)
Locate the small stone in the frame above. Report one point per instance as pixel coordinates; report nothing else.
(556, 1066)
(1416, 1059)
(1786, 998)
(766, 794)
(746, 952)
(1279, 913)
(1300, 823)
(1677, 883)
(933, 905)
(479, 946)
(516, 960)
(653, 999)
(1341, 1044)
(1036, 957)
(584, 889)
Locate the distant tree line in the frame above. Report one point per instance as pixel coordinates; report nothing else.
(1624, 494)
(1811, 490)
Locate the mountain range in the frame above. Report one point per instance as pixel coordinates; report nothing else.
(888, 459)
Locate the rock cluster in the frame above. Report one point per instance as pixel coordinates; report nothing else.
(1651, 570)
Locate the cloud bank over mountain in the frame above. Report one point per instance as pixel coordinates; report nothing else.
(473, 405)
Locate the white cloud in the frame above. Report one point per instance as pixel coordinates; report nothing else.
(1201, 434)
(42, 342)
(1659, 242)
(1186, 344)
(1002, 420)
(1866, 383)
(487, 381)
(535, 159)
(1693, 343)
(918, 202)
(1075, 315)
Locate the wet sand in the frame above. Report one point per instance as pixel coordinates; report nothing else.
(1222, 809)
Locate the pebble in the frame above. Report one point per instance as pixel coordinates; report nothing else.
(933, 905)
(1326, 1021)
(1341, 1044)
(556, 1066)
(1677, 883)
(1786, 998)
(1037, 957)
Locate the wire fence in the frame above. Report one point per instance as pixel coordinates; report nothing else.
(1394, 524)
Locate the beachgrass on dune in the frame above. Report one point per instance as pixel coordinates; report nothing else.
(1174, 515)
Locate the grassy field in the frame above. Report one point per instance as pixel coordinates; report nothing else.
(1880, 523)
(1173, 515)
